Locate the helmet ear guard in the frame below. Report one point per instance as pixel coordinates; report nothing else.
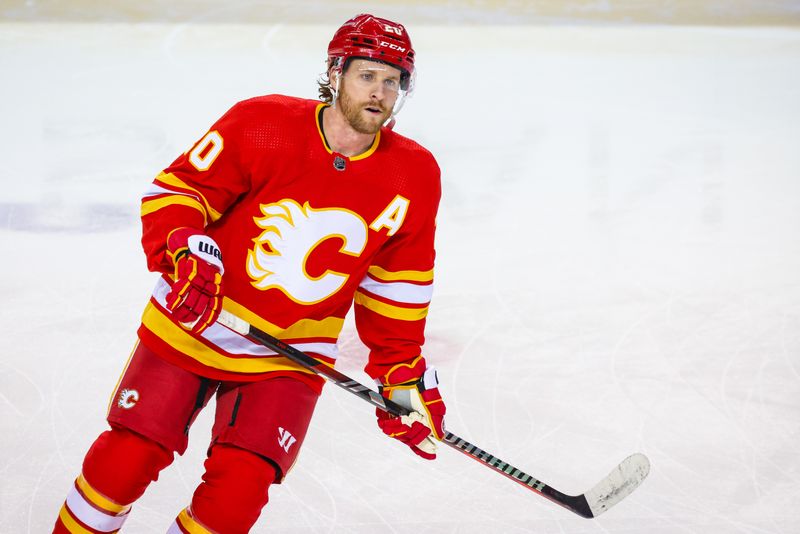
(335, 71)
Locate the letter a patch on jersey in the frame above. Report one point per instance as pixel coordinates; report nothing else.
(392, 216)
(285, 439)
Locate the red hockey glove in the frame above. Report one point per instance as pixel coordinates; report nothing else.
(416, 388)
(196, 295)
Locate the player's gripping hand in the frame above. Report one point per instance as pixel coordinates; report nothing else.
(415, 387)
(196, 295)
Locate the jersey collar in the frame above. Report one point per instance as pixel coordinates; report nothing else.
(365, 154)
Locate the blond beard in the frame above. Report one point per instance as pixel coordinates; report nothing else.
(352, 113)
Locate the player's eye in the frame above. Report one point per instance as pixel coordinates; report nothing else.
(367, 76)
(390, 84)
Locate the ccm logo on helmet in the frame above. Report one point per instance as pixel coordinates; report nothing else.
(393, 46)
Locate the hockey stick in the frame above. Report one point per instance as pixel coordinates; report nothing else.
(625, 478)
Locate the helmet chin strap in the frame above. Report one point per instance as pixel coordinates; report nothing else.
(391, 120)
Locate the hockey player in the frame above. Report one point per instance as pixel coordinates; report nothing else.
(286, 213)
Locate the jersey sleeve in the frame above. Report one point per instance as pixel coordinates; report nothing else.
(392, 300)
(196, 189)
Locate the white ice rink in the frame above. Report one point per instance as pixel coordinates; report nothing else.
(618, 269)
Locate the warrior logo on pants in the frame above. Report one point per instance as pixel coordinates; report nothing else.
(285, 439)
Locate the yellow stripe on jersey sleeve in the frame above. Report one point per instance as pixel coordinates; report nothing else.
(155, 321)
(387, 310)
(329, 327)
(171, 179)
(97, 499)
(412, 276)
(150, 206)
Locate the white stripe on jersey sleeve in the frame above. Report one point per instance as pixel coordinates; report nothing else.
(399, 291)
(154, 190)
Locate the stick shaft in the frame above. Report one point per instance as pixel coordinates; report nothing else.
(577, 504)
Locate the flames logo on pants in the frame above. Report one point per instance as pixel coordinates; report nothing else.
(292, 232)
(128, 398)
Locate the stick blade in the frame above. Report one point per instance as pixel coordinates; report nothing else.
(620, 483)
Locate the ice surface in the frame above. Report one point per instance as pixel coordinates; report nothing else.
(618, 270)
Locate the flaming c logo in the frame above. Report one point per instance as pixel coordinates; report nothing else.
(292, 232)
(128, 398)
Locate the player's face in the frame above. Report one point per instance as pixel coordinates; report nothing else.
(367, 93)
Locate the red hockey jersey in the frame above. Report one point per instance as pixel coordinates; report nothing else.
(304, 233)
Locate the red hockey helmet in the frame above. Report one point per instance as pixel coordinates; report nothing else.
(375, 38)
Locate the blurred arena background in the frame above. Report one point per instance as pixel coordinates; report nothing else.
(681, 12)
